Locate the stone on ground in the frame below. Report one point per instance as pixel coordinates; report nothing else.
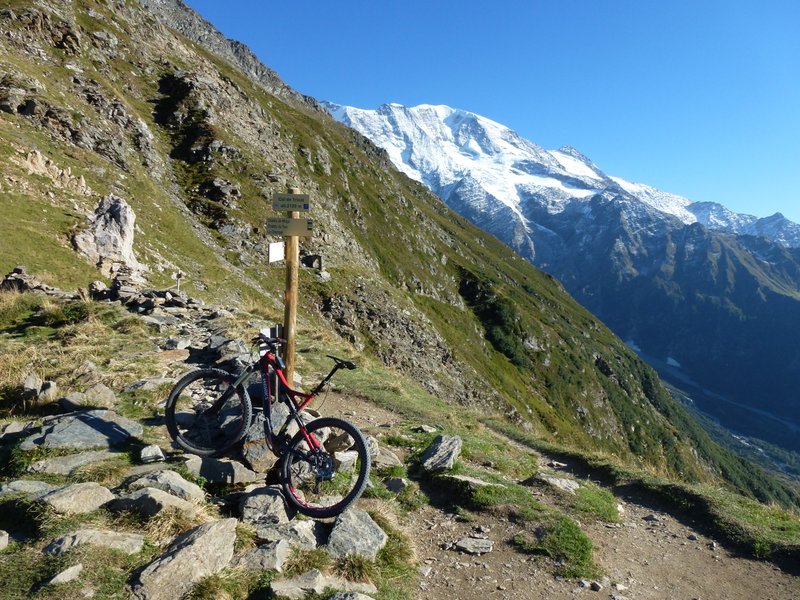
(84, 430)
(356, 533)
(64, 465)
(78, 498)
(442, 454)
(314, 582)
(150, 501)
(200, 552)
(172, 483)
(267, 557)
(66, 575)
(129, 543)
(472, 545)
(221, 470)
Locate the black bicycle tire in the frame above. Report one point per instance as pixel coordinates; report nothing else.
(172, 424)
(359, 444)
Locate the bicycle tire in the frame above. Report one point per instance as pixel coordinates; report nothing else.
(302, 473)
(205, 414)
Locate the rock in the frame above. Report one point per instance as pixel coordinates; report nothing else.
(442, 453)
(692, 537)
(396, 484)
(200, 552)
(596, 586)
(255, 450)
(49, 391)
(562, 483)
(651, 518)
(151, 501)
(129, 543)
(472, 545)
(3, 540)
(78, 498)
(350, 596)
(220, 470)
(108, 241)
(64, 465)
(314, 582)
(424, 429)
(354, 532)
(300, 534)
(267, 557)
(265, 505)
(150, 383)
(471, 482)
(386, 458)
(373, 447)
(101, 396)
(83, 430)
(31, 385)
(27, 487)
(67, 575)
(172, 483)
(152, 453)
(346, 461)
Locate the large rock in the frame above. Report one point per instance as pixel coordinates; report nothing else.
(84, 430)
(267, 557)
(172, 483)
(200, 552)
(221, 470)
(151, 501)
(265, 506)
(255, 450)
(3, 540)
(27, 487)
(442, 454)
(314, 582)
(562, 483)
(78, 498)
(64, 465)
(108, 240)
(129, 543)
(356, 533)
(300, 534)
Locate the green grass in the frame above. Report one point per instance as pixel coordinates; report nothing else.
(562, 540)
(596, 502)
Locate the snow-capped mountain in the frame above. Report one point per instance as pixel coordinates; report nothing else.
(687, 283)
(444, 148)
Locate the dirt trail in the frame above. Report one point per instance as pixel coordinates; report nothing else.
(648, 555)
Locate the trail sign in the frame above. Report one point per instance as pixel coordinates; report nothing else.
(287, 227)
(276, 253)
(290, 202)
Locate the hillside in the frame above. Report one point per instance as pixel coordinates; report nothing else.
(131, 154)
(194, 147)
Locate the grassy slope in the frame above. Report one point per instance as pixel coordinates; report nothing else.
(576, 384)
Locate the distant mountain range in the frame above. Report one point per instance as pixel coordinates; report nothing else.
(712, 296)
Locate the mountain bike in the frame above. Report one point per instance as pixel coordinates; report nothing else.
(323, 467)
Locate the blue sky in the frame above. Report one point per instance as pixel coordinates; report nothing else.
(699, 98)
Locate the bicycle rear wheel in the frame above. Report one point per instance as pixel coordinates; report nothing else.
(205, 414)
(323, 482)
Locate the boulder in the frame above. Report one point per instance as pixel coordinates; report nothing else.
(27, 487)
(151, 501)
(66, 575)
(64, 465)
(472, 545)
(267, 557)
(300, 534)
(151, 454)
(265, 506)
(200, 552)
(129, 543)
(3, 540)
(354, 532)
(171, 483)
(442, 454)
(78, 498)
(562, 483)
(220, 470)
(84, 430)
(314, 582)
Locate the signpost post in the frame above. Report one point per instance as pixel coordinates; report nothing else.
(291, 227)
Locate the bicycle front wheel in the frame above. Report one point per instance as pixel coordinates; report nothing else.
(322, 482)
(205, 414)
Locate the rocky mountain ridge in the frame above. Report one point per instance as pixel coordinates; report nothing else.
(692, 284)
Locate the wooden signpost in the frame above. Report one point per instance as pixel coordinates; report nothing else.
(292, 227)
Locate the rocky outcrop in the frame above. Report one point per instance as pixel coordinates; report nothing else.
(108, 240)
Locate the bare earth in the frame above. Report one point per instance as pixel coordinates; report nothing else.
(648, 555)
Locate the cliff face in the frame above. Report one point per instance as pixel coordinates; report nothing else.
(196, 144)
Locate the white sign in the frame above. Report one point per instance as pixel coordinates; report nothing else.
(290, 202)
(289, 227)
(276, 252)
